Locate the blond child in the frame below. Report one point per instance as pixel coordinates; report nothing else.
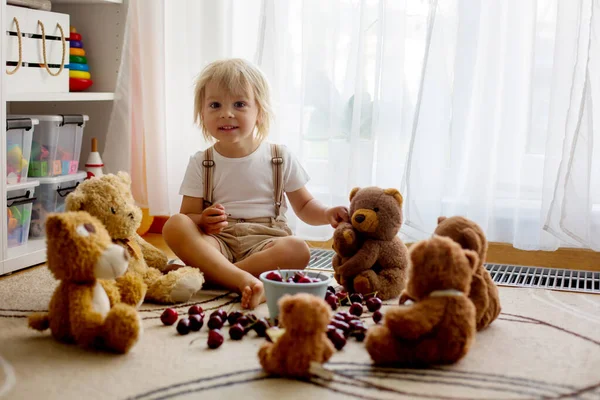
(232, 223)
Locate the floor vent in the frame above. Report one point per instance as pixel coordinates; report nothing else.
(507, 275)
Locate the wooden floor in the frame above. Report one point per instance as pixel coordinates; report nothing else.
(498, 253)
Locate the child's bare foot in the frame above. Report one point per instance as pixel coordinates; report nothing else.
(253, 293)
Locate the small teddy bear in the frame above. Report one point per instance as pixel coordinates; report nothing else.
(80, 252)
(440, 326)
(484, 292)
(304, 318)
(370, 257)
(109, 199)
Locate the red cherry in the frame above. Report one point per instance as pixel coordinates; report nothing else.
(337, 338)
(183, 326)
(215, 338)
(236, 332)
(234, 316)
(169, 316)
(377, 316)
(195, 309)
(374, 304)
(332, 301)
(274, 276)
(196, 322)
(215, 322)
(305, 279)
(356, 309)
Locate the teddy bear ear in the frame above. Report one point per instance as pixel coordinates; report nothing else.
(124, 176)
(353, 192)
(396, 194)
(473, 259)
(54, 224)
(75, 201)
(286, 304)
(441, 219)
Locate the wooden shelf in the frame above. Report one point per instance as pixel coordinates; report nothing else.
(87, 1)
(71, 96)
(32, 253)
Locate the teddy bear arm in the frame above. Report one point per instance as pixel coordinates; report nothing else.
(415, 321)
(363, 260)
(86, 324)
(394, 254)
(112, 291)
(154, 257)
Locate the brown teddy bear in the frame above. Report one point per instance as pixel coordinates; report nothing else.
(370, 257)
(304, 341)
(440, 326)
(109, 199)
(484, 292)
(80, 251)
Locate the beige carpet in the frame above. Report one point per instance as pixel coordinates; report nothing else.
(545, 345)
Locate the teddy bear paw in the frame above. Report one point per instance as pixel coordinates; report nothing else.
(185, 288)
(363, 285)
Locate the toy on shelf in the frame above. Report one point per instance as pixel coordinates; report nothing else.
(16, 164)
(79, 70)
(94, 163)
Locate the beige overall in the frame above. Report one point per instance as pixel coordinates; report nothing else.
(244, 237)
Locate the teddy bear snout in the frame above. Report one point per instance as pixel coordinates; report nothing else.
(112, 263)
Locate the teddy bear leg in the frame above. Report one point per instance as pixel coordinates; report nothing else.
(479, 296)
(381, 345)
(132, 289)
(493, 309)
(264, 356)
(175, 287)
(122, 328)
(388, 284)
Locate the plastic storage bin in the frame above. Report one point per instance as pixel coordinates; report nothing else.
(18, 148)
(56, 144)
(19, 200)
(50, 197)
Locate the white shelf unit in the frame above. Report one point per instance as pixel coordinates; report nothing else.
(101, 24)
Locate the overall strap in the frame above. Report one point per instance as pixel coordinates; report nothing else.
(277, 161)
(208, 166)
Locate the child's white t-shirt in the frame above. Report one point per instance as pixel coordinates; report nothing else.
(244, 186)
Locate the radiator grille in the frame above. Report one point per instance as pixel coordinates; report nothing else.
(507, 275)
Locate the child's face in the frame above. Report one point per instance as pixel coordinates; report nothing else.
(228, 117)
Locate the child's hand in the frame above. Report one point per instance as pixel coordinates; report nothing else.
(335, 215)
(213, 219)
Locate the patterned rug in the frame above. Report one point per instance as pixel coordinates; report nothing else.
(545, 345)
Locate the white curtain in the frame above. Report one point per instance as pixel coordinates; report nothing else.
(476, 108)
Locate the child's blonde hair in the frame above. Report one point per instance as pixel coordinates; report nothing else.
(236, 76)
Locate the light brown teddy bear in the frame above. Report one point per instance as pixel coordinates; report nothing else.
(484, 292)
(109, 199)
(304, 341)
(370, 257)
(440, 327)
(80, 252)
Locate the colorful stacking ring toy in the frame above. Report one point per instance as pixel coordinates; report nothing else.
(76, 84)
(76, 52)
(78, 59)
(79, 74)
(79, 67)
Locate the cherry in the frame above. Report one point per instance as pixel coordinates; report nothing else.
(183, 326)
(274, 276)
(215, 338)
(356, 309)
(342, 297)
(304, 279)
(260, 327)
(374, 304)
(236, 332)
(196, 322)
(221, 313)
(359, 335)
(357, 325)
(195, 309)
(234, 316)
(330, 289)
(215, 322)
(339, 317)
(290, 280)
(332, 301)
(298, 276)
(344, 327)
(377, 316)
(356, 298)
(169, 316)
(243, 320)
(337, 338)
